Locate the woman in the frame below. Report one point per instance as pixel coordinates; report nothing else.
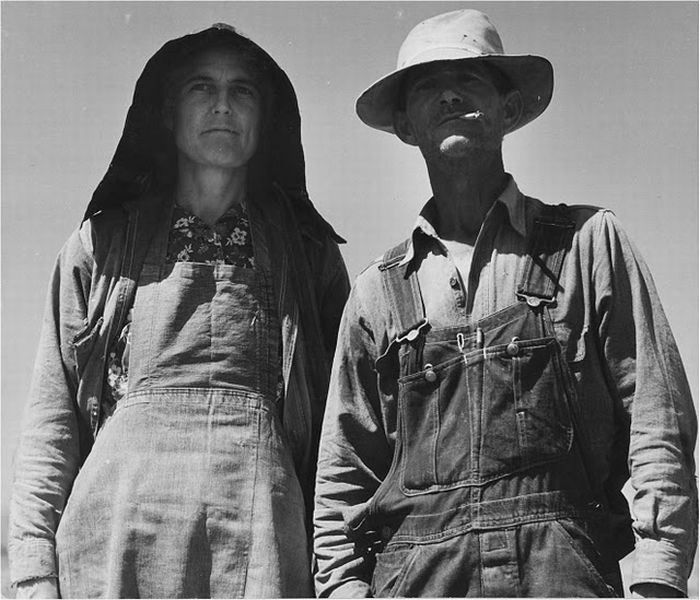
(170, 439)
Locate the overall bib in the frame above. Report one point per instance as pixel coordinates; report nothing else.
(190, 489)
(488, 493)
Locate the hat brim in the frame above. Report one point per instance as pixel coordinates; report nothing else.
(532, 75)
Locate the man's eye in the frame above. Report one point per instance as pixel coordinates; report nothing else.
(200, 87)
(423, 85)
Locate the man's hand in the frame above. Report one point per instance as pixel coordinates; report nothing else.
(654, 590)
(45, 587)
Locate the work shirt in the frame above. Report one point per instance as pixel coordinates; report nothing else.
(632, 389)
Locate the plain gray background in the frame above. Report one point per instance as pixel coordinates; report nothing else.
(621, 131)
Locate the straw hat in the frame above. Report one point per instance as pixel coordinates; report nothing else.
(461, 35)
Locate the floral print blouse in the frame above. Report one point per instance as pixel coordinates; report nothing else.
(228, 242)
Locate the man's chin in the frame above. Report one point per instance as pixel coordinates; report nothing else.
(456, 146)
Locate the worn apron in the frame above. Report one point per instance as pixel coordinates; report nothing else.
(190, 489)
(488, 493)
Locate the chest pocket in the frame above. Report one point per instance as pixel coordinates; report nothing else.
(475, 415)
(503, 405)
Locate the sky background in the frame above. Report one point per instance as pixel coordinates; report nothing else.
(621, 131)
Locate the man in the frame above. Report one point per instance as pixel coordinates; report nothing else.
(171, 434)
(501, 373)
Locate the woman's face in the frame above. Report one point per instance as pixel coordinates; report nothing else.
(215, 111)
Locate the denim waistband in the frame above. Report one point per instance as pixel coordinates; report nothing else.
(495, 514)
(200, 398)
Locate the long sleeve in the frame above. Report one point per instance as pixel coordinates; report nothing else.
(333, 295)
(648, 378)
(355, 452)
(48, 456)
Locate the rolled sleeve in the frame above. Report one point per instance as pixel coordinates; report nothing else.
(34, 560)
(655, 562)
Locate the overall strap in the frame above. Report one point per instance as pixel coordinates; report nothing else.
(402, 293)
(402, 296)
(548, 244)
(141, 226)
(145, 221)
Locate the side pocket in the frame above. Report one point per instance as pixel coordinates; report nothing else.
(575, 352)
(576, 347)
(573, 345)
(392, 570)
(585, 554)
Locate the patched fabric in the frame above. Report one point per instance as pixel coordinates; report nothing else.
(118, 365)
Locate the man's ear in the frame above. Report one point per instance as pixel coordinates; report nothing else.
(403, 129)
(512, 110)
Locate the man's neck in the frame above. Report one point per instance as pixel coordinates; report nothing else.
(208, 192)
(464, 193)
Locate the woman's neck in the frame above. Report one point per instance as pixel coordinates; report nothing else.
(209, 193)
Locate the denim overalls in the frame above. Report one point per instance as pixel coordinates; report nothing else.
(488, 493)
(190, 490)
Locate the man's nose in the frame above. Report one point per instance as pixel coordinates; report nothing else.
(450, 96)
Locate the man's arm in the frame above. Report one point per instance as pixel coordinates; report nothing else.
(48, 456)
(648, 377)
(354, 454)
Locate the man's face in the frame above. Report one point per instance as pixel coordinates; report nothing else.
(215, 111)
(454, 110)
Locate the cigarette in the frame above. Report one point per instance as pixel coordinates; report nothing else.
(472, 115)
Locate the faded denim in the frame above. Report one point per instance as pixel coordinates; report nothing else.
(431, 503)
(93, 286)
(97, 263)
(190, 488)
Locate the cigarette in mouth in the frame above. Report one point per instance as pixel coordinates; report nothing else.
(477, 114)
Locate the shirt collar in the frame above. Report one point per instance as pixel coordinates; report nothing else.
(510, 197)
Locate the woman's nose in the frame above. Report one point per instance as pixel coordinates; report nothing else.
(221, 103)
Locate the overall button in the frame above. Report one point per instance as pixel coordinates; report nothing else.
(513, 349)
(454, 284)
(430, 375)
(412, 335)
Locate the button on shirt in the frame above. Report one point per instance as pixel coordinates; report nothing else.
(634, 394)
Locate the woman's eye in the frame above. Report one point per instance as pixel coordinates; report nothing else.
(243, 90)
